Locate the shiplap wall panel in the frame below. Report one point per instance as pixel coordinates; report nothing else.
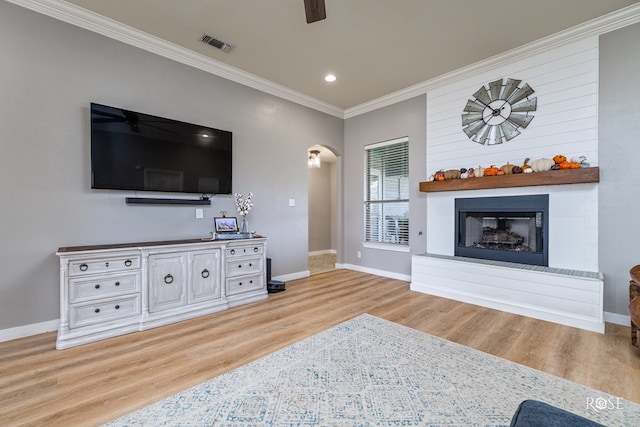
(565, 81)
(566, 299)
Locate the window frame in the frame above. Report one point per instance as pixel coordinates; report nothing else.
(403, 187)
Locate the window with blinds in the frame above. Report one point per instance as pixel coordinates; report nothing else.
(387, 192)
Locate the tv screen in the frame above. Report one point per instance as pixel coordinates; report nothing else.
(141, 152)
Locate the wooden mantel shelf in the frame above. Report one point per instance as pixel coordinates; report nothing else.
(556, 177)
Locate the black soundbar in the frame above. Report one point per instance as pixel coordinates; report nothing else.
(155, 201)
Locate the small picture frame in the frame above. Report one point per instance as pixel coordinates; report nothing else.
(226, 224)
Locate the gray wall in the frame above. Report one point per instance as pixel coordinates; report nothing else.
(407, 118)
(321, 207)
(619, 148)
(49, 73)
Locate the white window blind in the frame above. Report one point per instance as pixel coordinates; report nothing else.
(387, 192)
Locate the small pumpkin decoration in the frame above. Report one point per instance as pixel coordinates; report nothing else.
(542, 165)
(479, 172)
(491, 171)
(555, 167)
(471, 173)
(500, 172)
(439, 176)
(569, 165)
(525, 165)
(559, 158)
(507, 169)
(579, 159)
(516, 169)
(452, 174)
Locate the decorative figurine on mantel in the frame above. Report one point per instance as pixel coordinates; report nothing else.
(244, 205)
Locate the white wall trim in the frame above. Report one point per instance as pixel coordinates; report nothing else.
(52, 325)
(604, 24)
(618, 319)
(292, 276)
(91, 21)
(29, 330)
(389, 274)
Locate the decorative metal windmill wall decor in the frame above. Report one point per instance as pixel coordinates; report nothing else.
(496, 114)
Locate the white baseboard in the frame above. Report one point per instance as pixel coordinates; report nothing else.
(292, 276)
(618, 319)
(29, 330)
(323, 252)
(52, 325)
(389, 274)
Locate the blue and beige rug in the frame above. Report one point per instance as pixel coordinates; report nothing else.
(372, 372)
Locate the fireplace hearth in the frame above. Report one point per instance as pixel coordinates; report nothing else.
(511, 228)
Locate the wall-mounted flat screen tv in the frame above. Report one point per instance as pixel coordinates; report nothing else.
(141, 152)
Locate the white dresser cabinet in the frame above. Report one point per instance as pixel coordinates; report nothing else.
(167, 281)
(245, 268)
(205, 276)
(110, 290)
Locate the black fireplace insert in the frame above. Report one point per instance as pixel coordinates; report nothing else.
(511, 228)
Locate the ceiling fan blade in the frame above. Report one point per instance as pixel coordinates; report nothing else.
(314, 10)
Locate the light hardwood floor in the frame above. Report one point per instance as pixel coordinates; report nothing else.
(94, 383)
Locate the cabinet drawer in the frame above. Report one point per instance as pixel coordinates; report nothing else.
(243, 251)
(95, 287)
(104, 311)
(238, 285)
(240, 266)
(103, 265)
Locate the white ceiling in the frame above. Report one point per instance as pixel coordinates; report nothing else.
(374, 47)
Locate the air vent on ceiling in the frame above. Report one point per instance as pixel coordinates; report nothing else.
(225, 47)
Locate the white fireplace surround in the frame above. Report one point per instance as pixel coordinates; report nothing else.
(570, 290)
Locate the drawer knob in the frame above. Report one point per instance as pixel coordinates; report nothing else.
(250, 264)
(106, 264)
(239, 265)
(97, 286)
(250, 281)
(255, 249)
(117, 283)
(117, 307)
(127, 263)
(97, 310)
(232, 251)
(239, 283)
(84, 267)
(205, 273)
(168, 279)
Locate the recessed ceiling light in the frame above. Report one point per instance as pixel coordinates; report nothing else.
(329, 78)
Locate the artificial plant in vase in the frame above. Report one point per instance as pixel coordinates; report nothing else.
(244, 205)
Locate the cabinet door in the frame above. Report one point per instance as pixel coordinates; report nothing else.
(167, 281)
(205, 276)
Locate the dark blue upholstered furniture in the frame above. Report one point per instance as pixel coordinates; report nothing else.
(532, 413)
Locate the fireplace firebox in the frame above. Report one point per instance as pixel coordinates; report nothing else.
(511, 228)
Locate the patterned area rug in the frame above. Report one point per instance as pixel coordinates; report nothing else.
(372, 372)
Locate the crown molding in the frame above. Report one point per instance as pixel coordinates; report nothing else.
(604, 24)
(91, 21)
